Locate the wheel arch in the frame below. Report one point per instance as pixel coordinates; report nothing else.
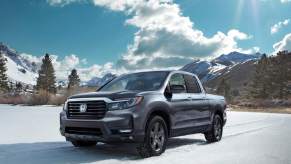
(218, 109)
(162, 112)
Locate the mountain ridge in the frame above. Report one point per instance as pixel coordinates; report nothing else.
(22, 70)
(18, 67)
(209, 70)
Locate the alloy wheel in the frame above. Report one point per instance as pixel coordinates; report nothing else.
(157, 137)
(217, 128)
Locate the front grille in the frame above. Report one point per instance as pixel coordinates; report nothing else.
(95, 110)
(83, 131)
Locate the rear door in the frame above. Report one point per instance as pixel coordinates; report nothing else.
(200, 109)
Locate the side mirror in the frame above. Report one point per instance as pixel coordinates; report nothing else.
(178, 88)
(168, 93)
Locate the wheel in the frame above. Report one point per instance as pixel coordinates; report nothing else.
(215, 134)
(156, 137)
(79, 143)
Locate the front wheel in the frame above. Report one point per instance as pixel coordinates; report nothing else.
(156, 137)
(79, 143)
(215, 134)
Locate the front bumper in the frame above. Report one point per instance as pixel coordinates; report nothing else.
(117, 126)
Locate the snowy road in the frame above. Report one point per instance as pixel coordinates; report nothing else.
(30, 135)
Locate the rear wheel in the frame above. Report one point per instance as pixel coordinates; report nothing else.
(155, 138)
(79, 143)
(215, 134)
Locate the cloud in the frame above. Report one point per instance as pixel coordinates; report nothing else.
(31, 58)
(285, 1)
(276, 27)
(62, 3)
(117, 5)
(284, 44)
(87, 73)
(64, 66)
(165, 38)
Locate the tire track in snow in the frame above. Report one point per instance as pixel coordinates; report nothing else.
(251, 126)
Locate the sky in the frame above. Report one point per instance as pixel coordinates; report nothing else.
(101, 36)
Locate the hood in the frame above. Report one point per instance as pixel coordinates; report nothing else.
(110, 95)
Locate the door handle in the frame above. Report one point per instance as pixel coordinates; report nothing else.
(189, 98)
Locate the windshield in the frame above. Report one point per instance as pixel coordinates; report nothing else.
(145, 81)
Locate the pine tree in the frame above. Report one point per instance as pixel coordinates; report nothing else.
(26, 88)
(74, 80)
(46, 76)
(281, 74)
(11, 87)
(261, 82)
(18, 88)
(224, 89)
(3, 76)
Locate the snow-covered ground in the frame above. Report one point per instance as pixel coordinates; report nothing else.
(30, 135)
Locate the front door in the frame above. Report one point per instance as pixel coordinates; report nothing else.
(180, 102)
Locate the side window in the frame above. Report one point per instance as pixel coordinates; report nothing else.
(177, 83)
(192, 84)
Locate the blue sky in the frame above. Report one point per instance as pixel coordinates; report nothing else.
(103, 32)
(35, 27)
(256, 18)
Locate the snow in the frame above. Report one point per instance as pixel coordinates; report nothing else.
(14, 72)
(19, 69)
(208, 70)
(96, 81)
(236, 57)
(30, 135)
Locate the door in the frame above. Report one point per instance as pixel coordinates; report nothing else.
(200, 109)
(180, 101)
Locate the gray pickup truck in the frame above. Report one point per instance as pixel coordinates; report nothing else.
(145, 108)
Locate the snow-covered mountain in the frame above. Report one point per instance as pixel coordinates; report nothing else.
(235, 57)
(96, 81)
(19, 69)
(208, 70)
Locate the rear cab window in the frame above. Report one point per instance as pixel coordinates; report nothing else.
(192, 84)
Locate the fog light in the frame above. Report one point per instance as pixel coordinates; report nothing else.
(125, 131)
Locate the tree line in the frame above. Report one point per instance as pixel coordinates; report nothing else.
(272, 78)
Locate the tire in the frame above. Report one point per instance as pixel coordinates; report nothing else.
(156, 137)
(79, 143)
(215, 134)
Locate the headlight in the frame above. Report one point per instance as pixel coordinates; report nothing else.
(120, 104)
(65, 107)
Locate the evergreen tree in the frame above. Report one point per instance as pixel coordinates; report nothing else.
(3, 76)
(26, 88)
(272, 78)
(46, 76)
(224, 89)
(11, 87)
(281, 75)
(260, 82)
(18, 88)
(74, 80)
